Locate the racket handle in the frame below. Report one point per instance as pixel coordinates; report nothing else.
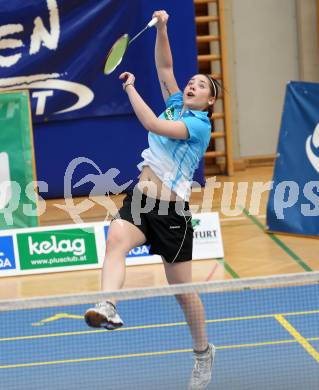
(152, 22)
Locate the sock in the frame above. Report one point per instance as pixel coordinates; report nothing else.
(202, 352)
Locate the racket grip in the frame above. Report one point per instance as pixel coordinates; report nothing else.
(152, 22)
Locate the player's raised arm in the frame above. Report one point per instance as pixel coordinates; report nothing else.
(163, 57)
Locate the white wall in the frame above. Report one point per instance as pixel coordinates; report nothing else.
(308, 40)
(265, 55)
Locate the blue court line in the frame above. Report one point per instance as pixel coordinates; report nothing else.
(154, 326)
(251, 347)
(166, 352)
(304, 342)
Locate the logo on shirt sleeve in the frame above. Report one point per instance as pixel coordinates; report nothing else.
(169, 113)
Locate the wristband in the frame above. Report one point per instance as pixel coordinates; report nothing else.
(126, 85)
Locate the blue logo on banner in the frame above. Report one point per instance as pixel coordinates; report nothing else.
(7, 260)
(139, 251)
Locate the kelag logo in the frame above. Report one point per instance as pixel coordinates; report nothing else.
(57, 248)
(7, 260)
(143, 250)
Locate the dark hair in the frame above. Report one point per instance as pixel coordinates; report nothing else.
(214, 89)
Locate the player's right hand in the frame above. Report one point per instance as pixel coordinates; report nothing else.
(162, 17)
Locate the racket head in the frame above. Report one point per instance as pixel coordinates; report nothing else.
(116, 53)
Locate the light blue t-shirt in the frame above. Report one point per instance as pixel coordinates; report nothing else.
(174, 161)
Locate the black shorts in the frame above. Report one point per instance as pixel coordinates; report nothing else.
(167, 225)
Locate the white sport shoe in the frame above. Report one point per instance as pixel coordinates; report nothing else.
(202, 370)
(103, 315)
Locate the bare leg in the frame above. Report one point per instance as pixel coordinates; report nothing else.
(122, 237)
(191, 304)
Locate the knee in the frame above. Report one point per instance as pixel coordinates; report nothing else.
(116, 241)
(186, 299)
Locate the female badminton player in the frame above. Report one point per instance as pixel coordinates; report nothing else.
(178, 139)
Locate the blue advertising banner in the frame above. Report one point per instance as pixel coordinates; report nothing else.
(57, 49)
(293, 205)
(7, 258)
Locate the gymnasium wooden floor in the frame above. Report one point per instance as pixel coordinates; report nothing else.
(249, 250)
